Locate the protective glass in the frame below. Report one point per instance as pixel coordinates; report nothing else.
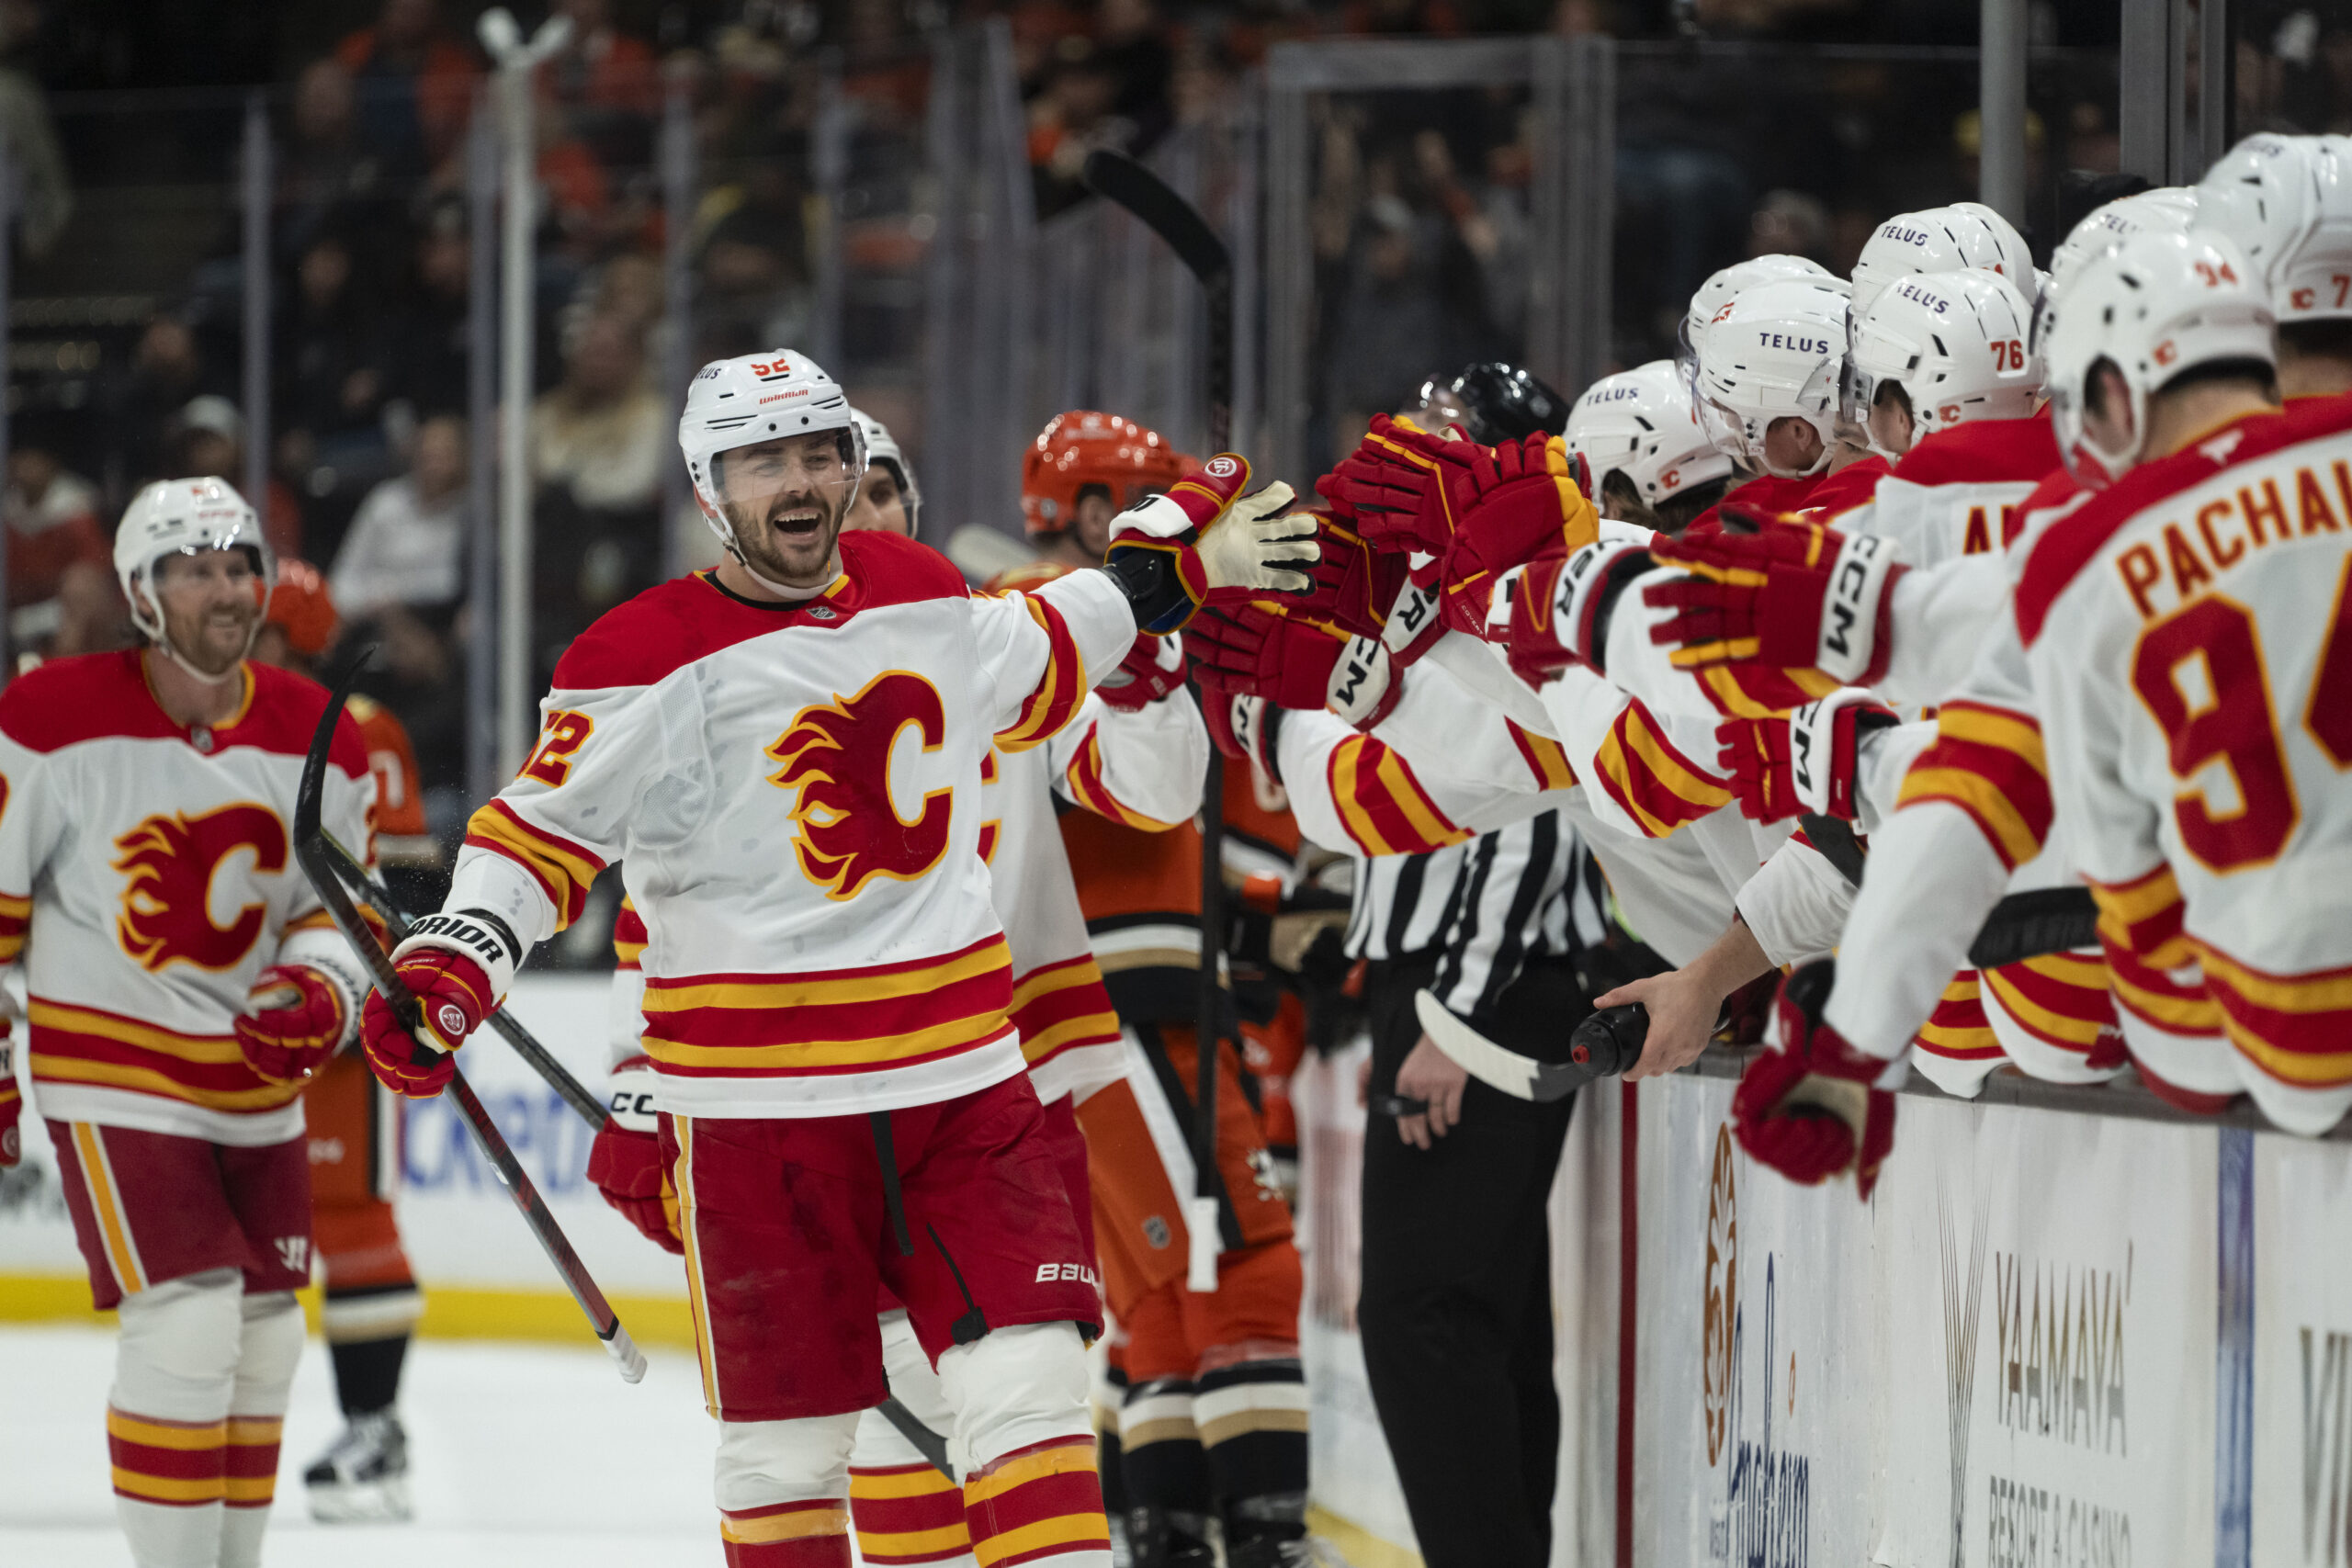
(755, 480)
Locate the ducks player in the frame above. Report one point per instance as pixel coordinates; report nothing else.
(787, 750)
(184, 984)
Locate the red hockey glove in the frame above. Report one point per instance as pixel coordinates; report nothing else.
(1791, 596)
(12, 1102)
(457, 966)
(1393, 485)
(1355, 585)
(625, 1163)
(1153, 668)
(1805, 762)
(1259, 650)
(1212, 544)
(1514, 500)
(295, 1018)
(1817, 1107)
(1244, 729)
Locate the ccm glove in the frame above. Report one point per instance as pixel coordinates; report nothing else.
(1817, 1107)
(1355, 585)
(1514, 501)
(1153, 668)
(12, 1101)
(295, 1019)
(1394, 486)
(1204, 542)
(1785, 766)
(625, 1163)
(1791, 596)
(456, 964)
(1263, 650)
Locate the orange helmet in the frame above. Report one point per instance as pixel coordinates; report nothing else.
(300, 606)
(1083, 448)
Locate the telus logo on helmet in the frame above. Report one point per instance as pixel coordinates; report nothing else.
(1794, 344)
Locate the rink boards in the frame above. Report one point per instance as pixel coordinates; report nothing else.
(2052, 1338)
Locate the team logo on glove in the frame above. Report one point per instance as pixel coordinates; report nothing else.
(1222, 467)
(453, 1021)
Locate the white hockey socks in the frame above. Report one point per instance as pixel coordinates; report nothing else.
(1022, 1422)
(903, 1509)
(167, 1417)
(270, 1346)
(781, 1488)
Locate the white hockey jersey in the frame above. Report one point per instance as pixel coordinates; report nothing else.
(147, 875)
(795, 789)
(2185, 633)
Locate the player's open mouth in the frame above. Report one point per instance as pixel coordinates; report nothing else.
(801, 521)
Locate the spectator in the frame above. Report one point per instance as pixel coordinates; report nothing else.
(44, 197)
(54, 535)
(166, 370)
(607, 83)
(598, 443)
(326, 175)
(755, 285)
(426, 341)
(208, 441)
(415, 87)
(601, 436)
(407, 544)
(328, 382)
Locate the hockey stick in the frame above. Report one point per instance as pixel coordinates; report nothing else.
(1124, 182)
(318, 865)
(2023, 925)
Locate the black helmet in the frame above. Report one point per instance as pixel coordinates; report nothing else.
(1505, 403)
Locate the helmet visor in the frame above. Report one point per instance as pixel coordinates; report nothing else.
(769, 478)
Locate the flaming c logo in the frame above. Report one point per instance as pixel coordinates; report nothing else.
(170, 862)
(838, 756)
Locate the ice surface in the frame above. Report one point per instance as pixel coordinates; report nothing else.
(521, 1455)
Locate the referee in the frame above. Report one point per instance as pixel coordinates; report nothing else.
(1456, 1309)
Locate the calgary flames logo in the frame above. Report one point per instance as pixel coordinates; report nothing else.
(170, 862)
(838, 756)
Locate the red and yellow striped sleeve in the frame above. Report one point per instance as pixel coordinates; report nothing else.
(629, 936)
(2140, 928)
(562, 869)
(1654, 784)
(1087, 787)
(1061, 1006)
(2061, 1000)
(1748, 690)
(1060, 689)
(1989, 762)
(1383, 807)
(16, 919)
(1958, 1029)
(1544, 758)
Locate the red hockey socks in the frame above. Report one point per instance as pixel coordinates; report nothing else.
(908, 1515)
(786, 1535)
(1040, 1505)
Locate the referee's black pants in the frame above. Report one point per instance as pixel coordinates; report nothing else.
(1456, 1303)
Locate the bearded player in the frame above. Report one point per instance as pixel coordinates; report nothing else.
(184, 984)
(786, 752)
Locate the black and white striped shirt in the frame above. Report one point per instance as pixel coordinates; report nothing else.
(1487, 905)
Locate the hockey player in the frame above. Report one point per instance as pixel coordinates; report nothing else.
(1645, 457)
(841, 1096)
(371, 1303)
(184, 984)
(1213, 1421)
(2287, 200)
(887, 497)
(2160, 366)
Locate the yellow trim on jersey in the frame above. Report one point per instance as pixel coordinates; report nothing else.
(147, 1080)
(874, 1050)
(209, 1050)
(823, 993)
(1980, 799)
(2020, 738)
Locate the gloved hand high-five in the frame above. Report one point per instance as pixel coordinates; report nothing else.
(1293, 662)
(1817, 1107)
(456, 965)
(1512, 503)
(1392, 487)
(1218, 544)
(1153, 668)
(1805, 761)
(295, 1019)
(1791, 596)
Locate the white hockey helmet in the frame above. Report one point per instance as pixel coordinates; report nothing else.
(172, 517)
(1778, 352)
(1955, 341)
(1715, 295)
(2154, 305)
(2287, 200)
(755, 398)
(1644, 424)
(1999, 248)
(2167, 209)
(883, 448)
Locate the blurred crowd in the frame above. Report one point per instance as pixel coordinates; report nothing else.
(127, 350)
